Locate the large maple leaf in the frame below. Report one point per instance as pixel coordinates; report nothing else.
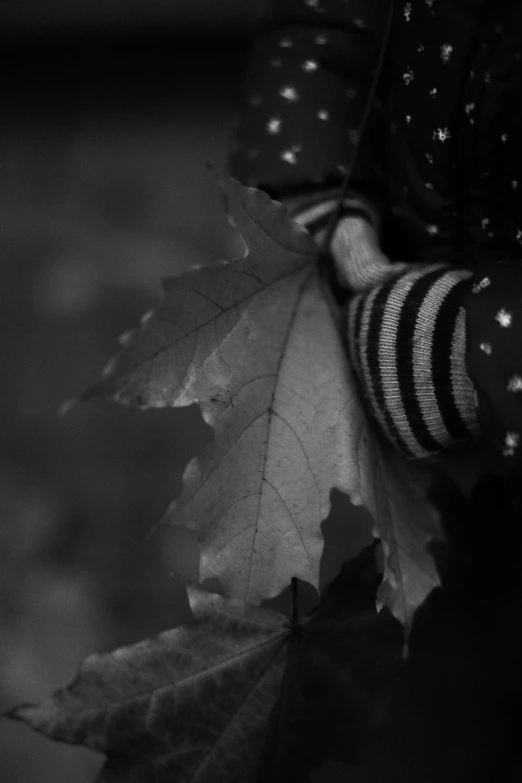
(239, 693)
(256, 343)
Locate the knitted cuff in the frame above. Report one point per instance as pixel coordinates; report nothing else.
(360, 263)
(407, 342)
(314, 210)
(359, 260)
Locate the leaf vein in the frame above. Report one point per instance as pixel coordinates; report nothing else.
(285, 421)
(289, 513)
(239, 305)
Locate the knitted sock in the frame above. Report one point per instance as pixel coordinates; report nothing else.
(407, 344)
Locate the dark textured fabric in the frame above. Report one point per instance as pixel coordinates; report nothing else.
(494, 355)
(327, 52)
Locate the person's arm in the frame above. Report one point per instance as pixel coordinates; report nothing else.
(493, 309)
(438, 356)
(407, 343)
(322, 64)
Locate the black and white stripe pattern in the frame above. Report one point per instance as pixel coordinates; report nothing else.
(407, 345)
(354, 243)
(406, 336)
(314, 211)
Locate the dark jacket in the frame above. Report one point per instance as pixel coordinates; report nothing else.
(440, 155)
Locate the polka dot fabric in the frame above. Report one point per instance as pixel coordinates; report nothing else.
(453, 130)
(304, 96)
(494, 355)
(431, 45)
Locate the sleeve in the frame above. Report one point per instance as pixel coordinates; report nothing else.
(406, 339)
(493, 310)
(308, 77)
(437, 354)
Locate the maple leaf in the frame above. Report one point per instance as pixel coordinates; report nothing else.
(343, 666)
(237, 694)
(256, 343)
(189, 705)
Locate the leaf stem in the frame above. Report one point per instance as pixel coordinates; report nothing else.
(295, 610)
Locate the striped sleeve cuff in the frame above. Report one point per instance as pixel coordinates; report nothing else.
(315, 210)
(354, 244)
(407, 346)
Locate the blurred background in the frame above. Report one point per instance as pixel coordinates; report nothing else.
(110, 112)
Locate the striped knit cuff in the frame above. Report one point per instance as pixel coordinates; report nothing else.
(407, 343)
(314, 210)
(360, 263)
(359, 260)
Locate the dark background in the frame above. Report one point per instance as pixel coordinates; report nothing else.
(110, 112)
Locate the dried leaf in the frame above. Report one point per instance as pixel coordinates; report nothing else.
(336, 693)
(190, 705)
(256, 343)
(196, 704)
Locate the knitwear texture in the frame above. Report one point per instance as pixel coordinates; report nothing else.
(407, 346)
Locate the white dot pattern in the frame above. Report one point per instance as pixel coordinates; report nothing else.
(512, 440)
(515, 383)
(309, 66)
(503, 317)
(441, 134)
(290, 155)
(446, 51)
(289, 93)
(481, 285)
(499, 356)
